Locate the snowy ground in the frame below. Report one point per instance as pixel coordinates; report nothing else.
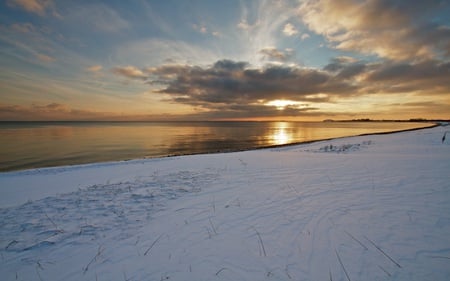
(360, 208)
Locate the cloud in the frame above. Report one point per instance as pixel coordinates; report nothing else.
(45, 58)
(233, 88)
(305, 36)
(252, 111)
(273, 54)
(414, 109)
(94, 68)
(129, 72)
(63, 112)
(23, 27)
(201, 28)
(33, 6)
(52, 111)
(396, 30)
(410, 72)
(345, 67)
(425, 77)
(289, 30)
(228, 83)
(243, 24)
(38, 7)
(52, 107)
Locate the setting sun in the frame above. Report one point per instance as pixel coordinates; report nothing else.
(282, 104)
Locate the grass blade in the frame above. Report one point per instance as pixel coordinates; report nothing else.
(153, 244)
(342, 265)
(359, 242)
(261, 242)
(381, 250)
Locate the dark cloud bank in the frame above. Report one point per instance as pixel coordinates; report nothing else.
(231, 89)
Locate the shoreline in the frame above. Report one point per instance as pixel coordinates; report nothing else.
(337, 138)
(114, 162)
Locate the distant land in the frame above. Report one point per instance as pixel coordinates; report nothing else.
(388, 120)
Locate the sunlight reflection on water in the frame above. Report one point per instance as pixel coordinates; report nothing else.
(40, 144)
(281, 135)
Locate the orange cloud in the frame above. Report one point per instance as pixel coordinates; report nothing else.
(63, 112)
(94, 68)
(52, 111)
(129, 72)
(33, 6)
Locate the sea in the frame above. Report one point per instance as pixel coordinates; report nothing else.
(26, 145)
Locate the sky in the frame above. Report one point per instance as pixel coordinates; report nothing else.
(305, 60)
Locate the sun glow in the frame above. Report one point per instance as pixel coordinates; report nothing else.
(282, 104)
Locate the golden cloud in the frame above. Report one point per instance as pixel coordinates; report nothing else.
(396, 30)
(129, 72)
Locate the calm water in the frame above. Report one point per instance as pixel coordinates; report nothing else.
(26, 145)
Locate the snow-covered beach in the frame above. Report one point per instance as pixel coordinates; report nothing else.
(373, 207)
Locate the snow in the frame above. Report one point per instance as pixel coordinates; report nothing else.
(371, 207)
